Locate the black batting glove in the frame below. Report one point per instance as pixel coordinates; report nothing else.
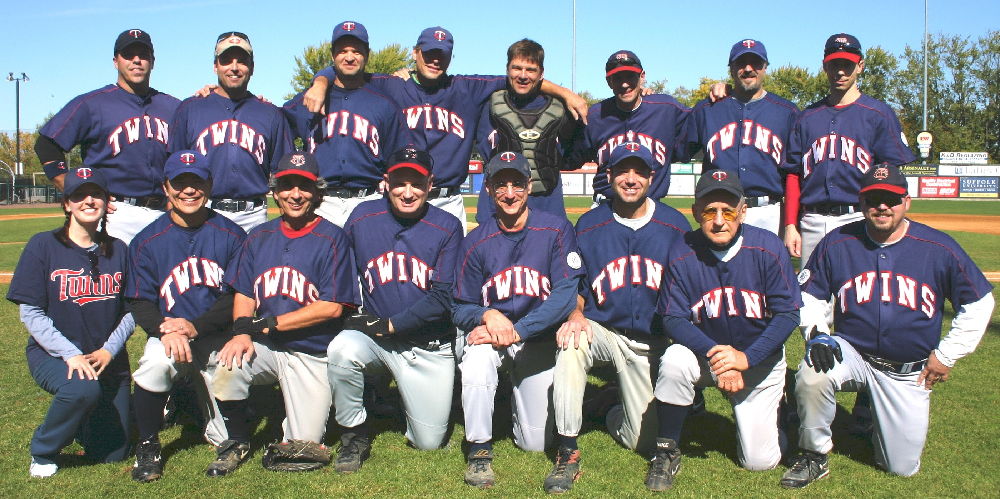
(255, 326)
(371, 325)
(823, 352)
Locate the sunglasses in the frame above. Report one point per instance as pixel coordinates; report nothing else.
(876, 200)
(92, 256)
(232, 33)
(728, 214)
(844, 47)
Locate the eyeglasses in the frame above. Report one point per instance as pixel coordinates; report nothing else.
(513, 187)
(728, 214)
(92, 256)
(232, 33)
(876, 200)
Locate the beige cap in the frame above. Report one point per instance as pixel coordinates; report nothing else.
(233, 39)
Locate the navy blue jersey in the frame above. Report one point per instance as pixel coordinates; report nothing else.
(659, 124)
(360, 129)
(625, 266)
(397, 263)
(242, 141)
(515, 273)
(833, 146)
(285, 270)
(889, 300)
(183, 270)
(83, 297)
(122, 133)
(442, 120)
(731, 302)
(747, 138)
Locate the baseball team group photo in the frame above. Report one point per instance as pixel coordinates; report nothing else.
(395, 282)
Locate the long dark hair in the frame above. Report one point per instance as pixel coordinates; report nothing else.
(105, 243)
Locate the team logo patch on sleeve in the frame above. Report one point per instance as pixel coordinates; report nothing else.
(804, 276)
(573, 260)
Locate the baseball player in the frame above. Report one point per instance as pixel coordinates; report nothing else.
(359, 128)
(517, 279)
(891, 277)
(520, 118)
(240, 136)
(293, 280)
(442, 111)
(833, 143)
(177, 293)
(656, 121)
(68, 289)
(729, 302)
(404, 252)
(122, 129)
(624, 244)
(746, 133)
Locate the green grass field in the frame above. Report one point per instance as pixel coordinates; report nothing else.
(958, 460)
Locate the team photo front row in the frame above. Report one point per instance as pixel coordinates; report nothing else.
(399, 292)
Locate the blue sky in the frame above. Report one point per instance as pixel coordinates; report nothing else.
(65, 47)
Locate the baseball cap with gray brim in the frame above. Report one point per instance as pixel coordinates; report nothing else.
(350, 28)
(436, 38)
(747, 46)
(131, 36)
(186, 161)
(718, 180)
(631, 150)
(508, 160)
(77, 177)
(297, 163)
(232, 39)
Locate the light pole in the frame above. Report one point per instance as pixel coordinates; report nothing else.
(17, 113)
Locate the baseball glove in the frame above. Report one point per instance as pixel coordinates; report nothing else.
(295, 455)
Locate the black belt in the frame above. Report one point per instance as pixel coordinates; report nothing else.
(892, 366)
(235, 205)
(347, 192)
(442, 192)
(755, 202)
(153, 202)
(831, 209)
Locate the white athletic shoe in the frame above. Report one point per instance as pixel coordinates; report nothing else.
(39, 470)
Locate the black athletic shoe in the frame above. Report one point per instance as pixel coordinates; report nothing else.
(354, 449)
(148, 462)
(664, 466)
(807, 467)
(479, 473)
(565, 472)
(230, 455)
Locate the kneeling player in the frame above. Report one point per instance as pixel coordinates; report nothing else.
(729, 302)
(516, 282)
(404, 251)
(293, 280)
(177, 294)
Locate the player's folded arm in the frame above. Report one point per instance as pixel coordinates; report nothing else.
(773, 337)
(147, 315)
(683, 331)
(435, 306)
(553, 311)
(467, 315)
(219, 317)
(967, 329)
(50, 155)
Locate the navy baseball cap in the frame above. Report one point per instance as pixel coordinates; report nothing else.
(842, 46)
(350, 28)
(508, 160)
(718, 180)
(298, 163)
(622, 60)
(884, 177)
(186, 161)
(631, 150)
(748, 46)
(412, 158)
(436, 38)
(77, 177)
(130, 36)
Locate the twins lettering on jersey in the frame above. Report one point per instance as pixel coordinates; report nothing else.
(833, 146)
(344, 123)
(517, 280)
(83, 289)
(719, 301)
(658, 148)
(431, 117)
(194, 271)
(232, 132)
(397, 267)
(756, 134)
(132, 129)
(284, 281)
(895, 288)
(632, 269)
